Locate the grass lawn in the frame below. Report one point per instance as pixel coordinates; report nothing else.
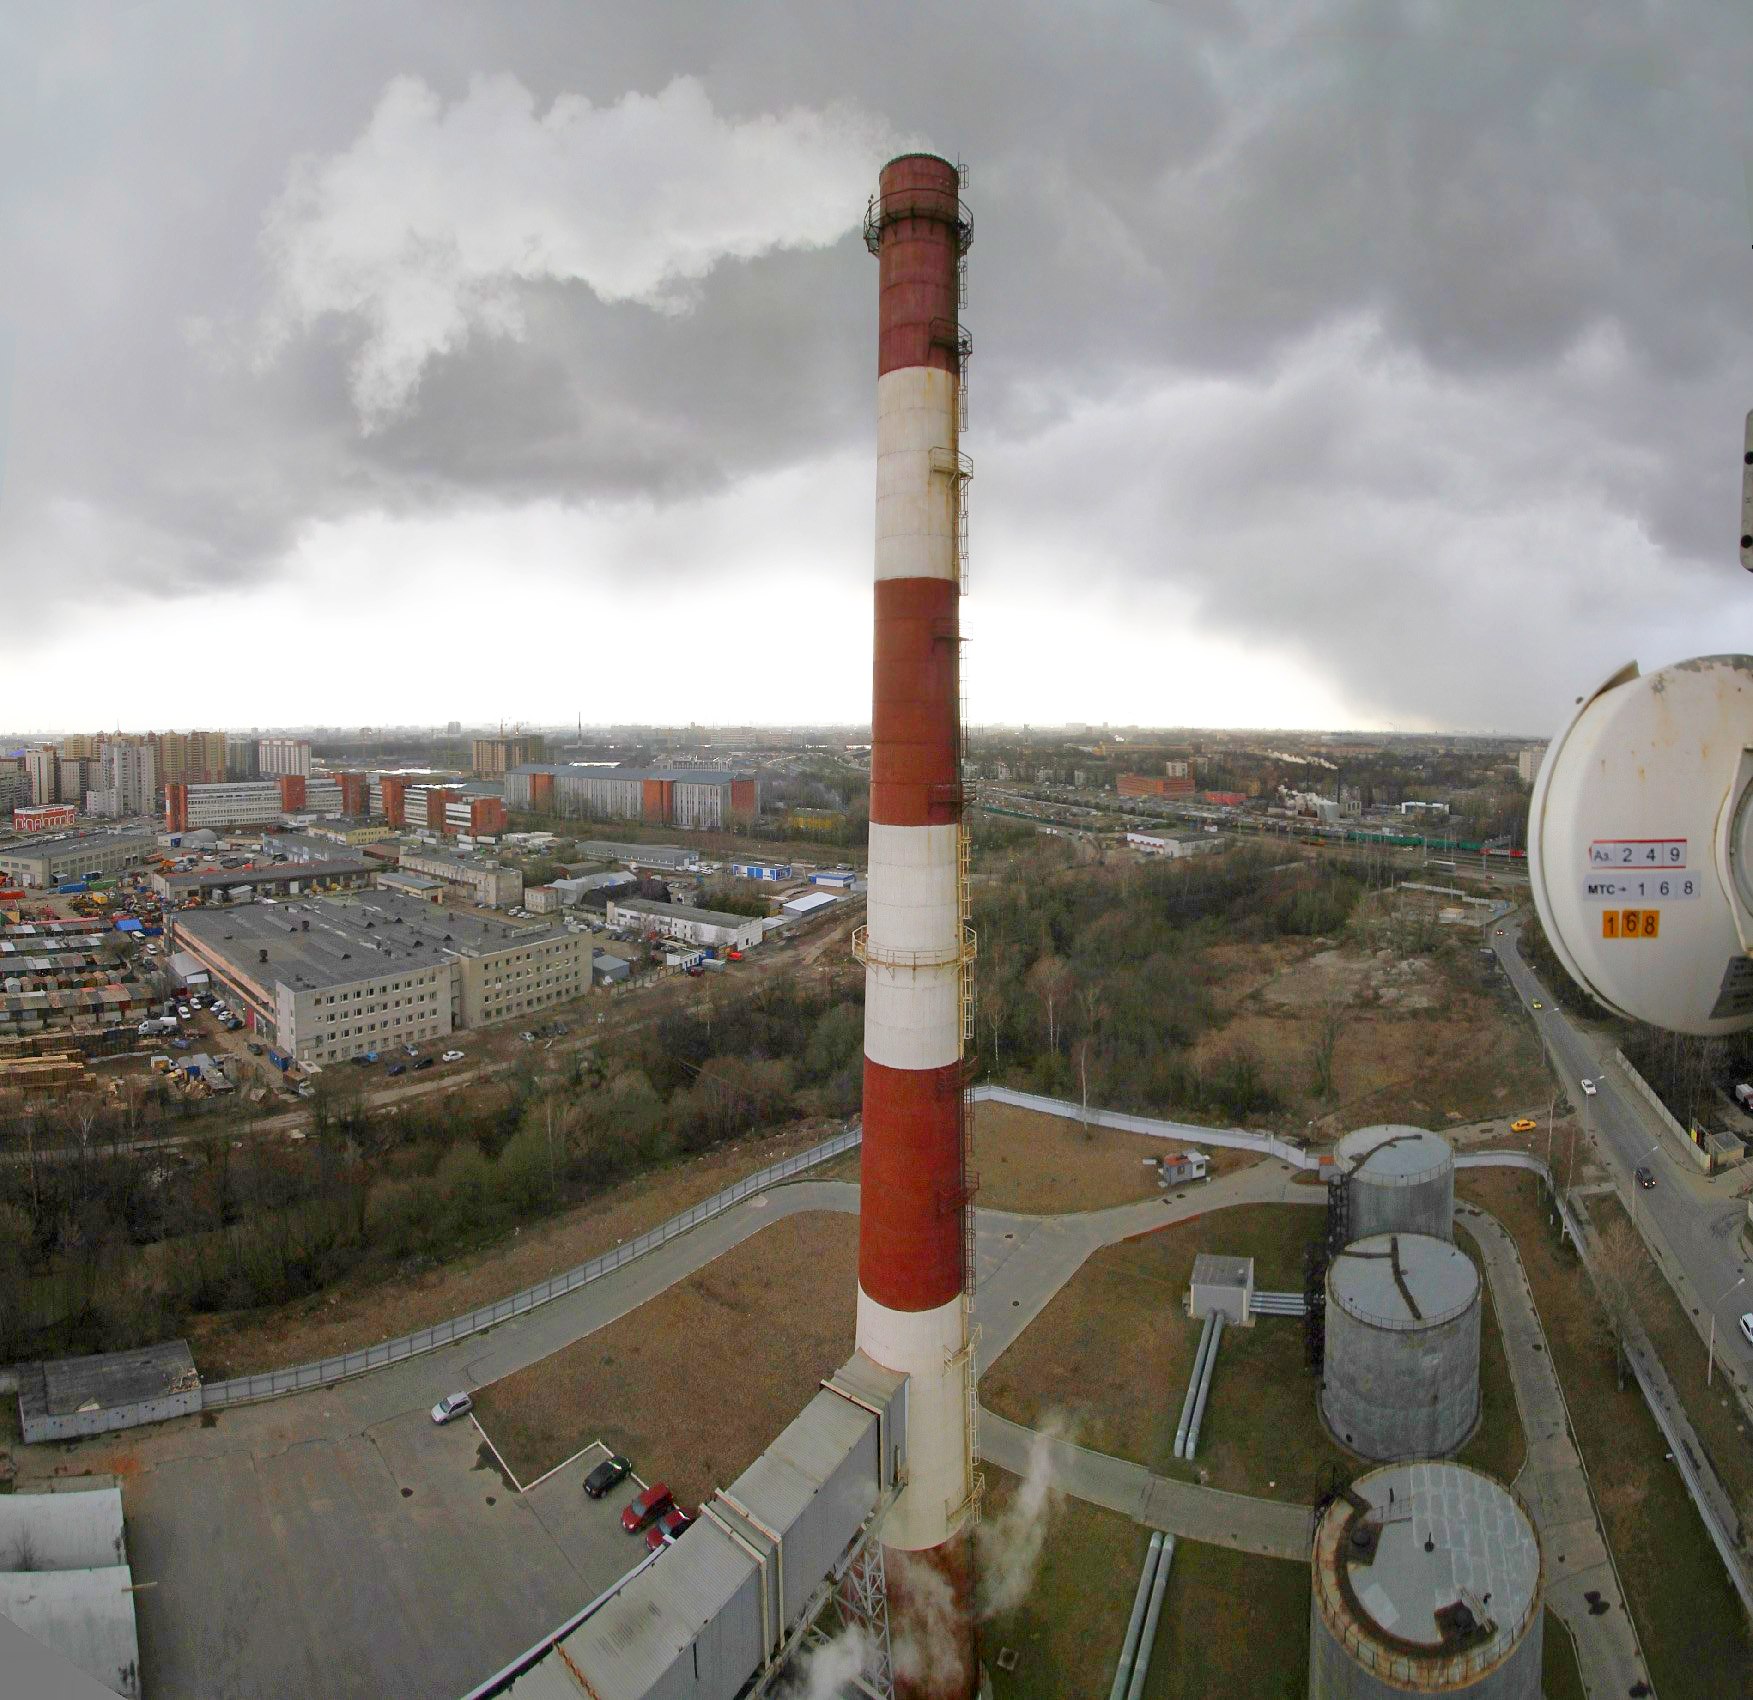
(695, 1383)
(1560, 1679)
(1714, 1410)
(1233, 1625)
(1498, 1446)
(1118, 1326)
(1067, 1633)
(1045, 1165)
(1688, 1618)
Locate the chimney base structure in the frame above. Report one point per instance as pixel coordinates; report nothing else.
(915, 1259)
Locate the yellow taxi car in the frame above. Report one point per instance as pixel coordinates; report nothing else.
(1523, 1124)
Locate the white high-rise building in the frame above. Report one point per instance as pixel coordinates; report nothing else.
(283, 755)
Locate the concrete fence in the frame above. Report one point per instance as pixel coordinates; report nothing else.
(244, 1389)
(271, 1384)
(1183, 1133)
(1664, 1115)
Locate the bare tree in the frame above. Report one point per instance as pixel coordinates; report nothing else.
(1052, 983)
(1324, 1045)
(1617, 1258)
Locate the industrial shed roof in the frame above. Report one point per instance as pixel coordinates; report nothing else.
(106, 1379)
(85, 1615)
(64, 1531)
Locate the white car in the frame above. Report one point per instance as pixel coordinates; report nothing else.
(452, 1056)
(1589, 1088)
(452, 1405)
(1747, 1325)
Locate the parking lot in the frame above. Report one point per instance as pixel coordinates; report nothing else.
(341, 1543)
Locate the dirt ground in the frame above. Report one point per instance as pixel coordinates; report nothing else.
(694, 1384)
(1045, 1165)
(1112, 1353)
(1693, 1631)
(1421, 1040)
(359, 1314)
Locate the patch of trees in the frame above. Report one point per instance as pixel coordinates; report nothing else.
(1097, 982)
(102, 1248)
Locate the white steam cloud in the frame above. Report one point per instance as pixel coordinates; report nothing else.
(828, 1672)
(928, 1651)
(426, 227)
(1011, 1543)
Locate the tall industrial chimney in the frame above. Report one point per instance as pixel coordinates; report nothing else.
(915, 1251)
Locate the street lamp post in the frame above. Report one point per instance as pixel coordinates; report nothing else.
(1710, 1356)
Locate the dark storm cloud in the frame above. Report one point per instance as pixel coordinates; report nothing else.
(1410, 340)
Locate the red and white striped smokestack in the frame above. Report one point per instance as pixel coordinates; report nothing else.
(914, 1251)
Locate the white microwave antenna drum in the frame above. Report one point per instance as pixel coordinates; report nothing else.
(1640, 844)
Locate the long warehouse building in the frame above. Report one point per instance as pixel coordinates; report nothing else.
(249, 802)
(706, 799)
(49, 861)
(328, 979)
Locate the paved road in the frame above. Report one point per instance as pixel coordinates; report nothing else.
(1690, 1222)
(1554, 1483)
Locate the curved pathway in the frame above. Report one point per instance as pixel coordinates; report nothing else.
(1582, 1582)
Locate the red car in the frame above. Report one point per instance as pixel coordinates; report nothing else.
(647, 1508)
(669, 1527)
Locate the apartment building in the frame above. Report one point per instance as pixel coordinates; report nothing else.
(704, 799)
(283, 755)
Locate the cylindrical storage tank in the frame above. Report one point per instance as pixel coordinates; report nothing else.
(1401, 1372)
(1401, 1180)
(1427, 1579)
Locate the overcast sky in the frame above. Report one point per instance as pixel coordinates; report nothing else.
(1335, 364)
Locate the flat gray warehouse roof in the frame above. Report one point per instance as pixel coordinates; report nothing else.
(106, 1379)
(344, 941)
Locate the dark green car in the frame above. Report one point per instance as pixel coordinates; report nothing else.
(607, 1475)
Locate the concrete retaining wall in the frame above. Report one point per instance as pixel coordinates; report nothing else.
(1644, 1090)
(76, 1423)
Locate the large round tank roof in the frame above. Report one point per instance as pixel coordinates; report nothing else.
(1428, 1561)
(1394, 1155)
(1403, 1281)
